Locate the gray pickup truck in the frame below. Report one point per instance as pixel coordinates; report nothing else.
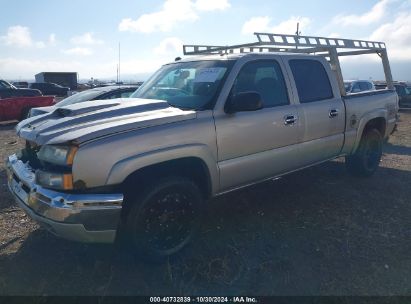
(198, 128)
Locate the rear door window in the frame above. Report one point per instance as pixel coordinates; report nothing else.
(311, 80)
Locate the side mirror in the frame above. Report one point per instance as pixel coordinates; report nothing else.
(245, 101)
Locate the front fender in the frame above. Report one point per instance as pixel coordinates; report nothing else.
(123, 168)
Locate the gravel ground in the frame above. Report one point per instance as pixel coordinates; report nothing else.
(314, 232)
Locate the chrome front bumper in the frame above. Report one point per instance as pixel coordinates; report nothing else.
(78, 217)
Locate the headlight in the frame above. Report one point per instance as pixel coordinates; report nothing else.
(61, 181)
(57, 155)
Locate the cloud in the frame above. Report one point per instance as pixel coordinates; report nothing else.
(169, 45)
(173, 13)
(52, 40)
(78, 51)
(15, 68)
(40, 45)
(397, 36)
(86, 39)
(211, 5)
(262, 24)
(18, 36)
(376, 13)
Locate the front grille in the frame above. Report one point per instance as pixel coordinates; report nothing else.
(23, 186)
(29, 154)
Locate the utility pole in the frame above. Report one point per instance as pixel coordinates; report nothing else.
(118, 63)
(117, 73)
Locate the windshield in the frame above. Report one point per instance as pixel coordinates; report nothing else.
(79, 97)
(186, 85)
(6, 85)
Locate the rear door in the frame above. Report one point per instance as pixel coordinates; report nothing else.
(256, 145)
(321, 110)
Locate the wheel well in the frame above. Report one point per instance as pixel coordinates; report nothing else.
(190, 167)
(378, 123)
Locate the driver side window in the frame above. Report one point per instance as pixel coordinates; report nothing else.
(266, 78)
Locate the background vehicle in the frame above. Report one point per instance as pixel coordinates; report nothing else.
(21, 84)
(403, 91)
(356, 86)
(8, 90)
(17, 108)
(101, 93)
(48, 88)
(198, 128)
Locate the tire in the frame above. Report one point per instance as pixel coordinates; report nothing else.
(367, 158)
(163, 219)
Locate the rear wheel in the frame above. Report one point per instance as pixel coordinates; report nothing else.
(367, 158)
(162, 220)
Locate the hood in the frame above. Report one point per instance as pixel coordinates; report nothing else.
(41, 110)
(88, 120)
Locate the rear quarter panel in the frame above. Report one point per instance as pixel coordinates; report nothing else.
(363, 107)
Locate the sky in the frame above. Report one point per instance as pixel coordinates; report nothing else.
(84, 36)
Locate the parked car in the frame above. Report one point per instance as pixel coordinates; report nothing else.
(21, 84)
(8, 90)
(17, 108)
(356, 86)
(404, 94)
(403, 91)
(198, 128)
(100, 93)
(49, 88)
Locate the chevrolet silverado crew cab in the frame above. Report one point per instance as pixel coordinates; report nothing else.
(199, 127)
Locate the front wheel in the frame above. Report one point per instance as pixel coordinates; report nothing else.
(164, 218)
(367, 158)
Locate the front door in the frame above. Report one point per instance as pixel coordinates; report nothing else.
(256, 145)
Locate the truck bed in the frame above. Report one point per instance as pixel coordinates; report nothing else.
(364, 106)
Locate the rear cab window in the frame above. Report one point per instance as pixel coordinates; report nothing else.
(311, 80)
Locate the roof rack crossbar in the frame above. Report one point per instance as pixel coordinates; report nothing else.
(302, 41)
(330, 48)
(282, 42)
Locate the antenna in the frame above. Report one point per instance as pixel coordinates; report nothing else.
(298, 33)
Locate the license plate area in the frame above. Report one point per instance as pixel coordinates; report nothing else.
(18, 190)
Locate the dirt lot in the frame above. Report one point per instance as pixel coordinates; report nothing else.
(315, 232)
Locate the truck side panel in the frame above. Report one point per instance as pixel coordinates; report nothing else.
(135, 150)
(362, 108)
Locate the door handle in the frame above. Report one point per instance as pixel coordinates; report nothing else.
(333, 113)
(290, 119)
